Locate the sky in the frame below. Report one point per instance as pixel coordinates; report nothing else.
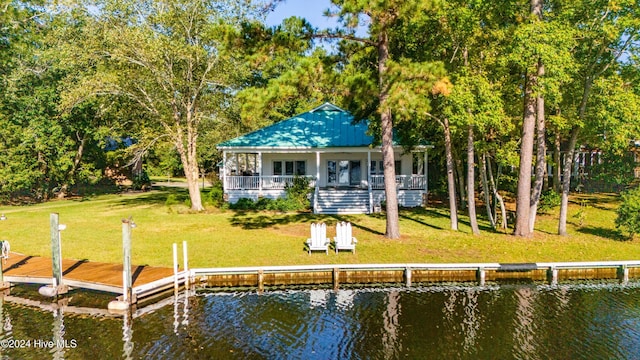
(312, 10)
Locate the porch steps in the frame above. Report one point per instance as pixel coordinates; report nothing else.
(349, 201)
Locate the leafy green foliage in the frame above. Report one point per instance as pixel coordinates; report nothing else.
(141, 181)
(548, 201)
(628, 214)
(215, 195)
(299, 192)
(296, 199)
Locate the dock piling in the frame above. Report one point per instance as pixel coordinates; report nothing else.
(4, 244)
(552, 275)
(128, 298)
(58, 287)
(260, 281)
(623, 274)
(407, 276)
(481, 275)
(176, 284)
(127, 283)
(186, 265)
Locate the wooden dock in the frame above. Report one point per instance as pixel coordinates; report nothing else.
(85, 274)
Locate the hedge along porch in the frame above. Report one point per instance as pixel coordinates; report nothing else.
(326, 146)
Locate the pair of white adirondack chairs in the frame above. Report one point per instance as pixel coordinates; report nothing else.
(343, 240)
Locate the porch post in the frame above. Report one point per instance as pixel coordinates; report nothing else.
(426, 172)
(259, 173)
(317, 187)
(224, 171)
(369, 181)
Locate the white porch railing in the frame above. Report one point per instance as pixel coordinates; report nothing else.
(410, 182)
(276, 182)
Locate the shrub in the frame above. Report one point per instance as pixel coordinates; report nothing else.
(629, 212)
(297, 198)
(141, 181)
(298, 192)
(215, 196)
(548, 200)
(243, 204)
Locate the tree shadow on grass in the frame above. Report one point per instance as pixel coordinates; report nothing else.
(602, 201)
(155, 197)
(254, 220)
(442, 214)
(611, 234)
(420, 221)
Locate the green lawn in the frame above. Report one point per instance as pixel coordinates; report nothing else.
(227, 238)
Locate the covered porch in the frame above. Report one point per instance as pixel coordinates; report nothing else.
(337, 177)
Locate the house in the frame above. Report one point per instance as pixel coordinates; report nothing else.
(336, 154)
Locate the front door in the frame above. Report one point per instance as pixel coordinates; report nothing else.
(344, 172)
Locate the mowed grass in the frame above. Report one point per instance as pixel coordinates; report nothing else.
(222, 238)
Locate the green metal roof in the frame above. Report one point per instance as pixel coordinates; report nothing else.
(323, 127)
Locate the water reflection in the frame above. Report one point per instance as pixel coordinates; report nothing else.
(457, 322)
(524, 334)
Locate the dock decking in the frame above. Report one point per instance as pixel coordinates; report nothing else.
(84, 274)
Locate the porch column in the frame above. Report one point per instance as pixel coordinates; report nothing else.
(259, 169)
(224, 172)
(317, 187)
(426, 172)
(369, 182)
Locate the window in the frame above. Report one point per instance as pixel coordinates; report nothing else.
(290, 168)
(331, 172)
(301, 168)
(377, 167)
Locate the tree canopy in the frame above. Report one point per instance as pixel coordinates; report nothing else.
(495, 86)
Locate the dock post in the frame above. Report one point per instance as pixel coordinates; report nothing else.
(123, 304)
(552, 275)
(336, 278)
(175, 267)
(4, 244)
(58, 287)
(407, 276)
(260, 281)
(481, 275)
(623, 274)
(127, 283)
(186, 265)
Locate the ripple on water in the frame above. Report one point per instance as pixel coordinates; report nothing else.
(580, 321)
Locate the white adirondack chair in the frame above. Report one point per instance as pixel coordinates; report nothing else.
(318, 240)
(344, 239)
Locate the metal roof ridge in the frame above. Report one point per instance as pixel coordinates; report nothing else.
(327, 105)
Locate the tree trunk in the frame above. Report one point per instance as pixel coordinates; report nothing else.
(566, 182)
(471, 191)
(393, 223)
(503, 210)
(557, 169)
(451, 181)
(189, 159)
(523, 197)
(485, 191)
(460, 178)
(541, 162)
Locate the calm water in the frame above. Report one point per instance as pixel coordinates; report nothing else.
(597, 321)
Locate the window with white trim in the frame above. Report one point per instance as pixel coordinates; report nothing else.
(290, 167)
